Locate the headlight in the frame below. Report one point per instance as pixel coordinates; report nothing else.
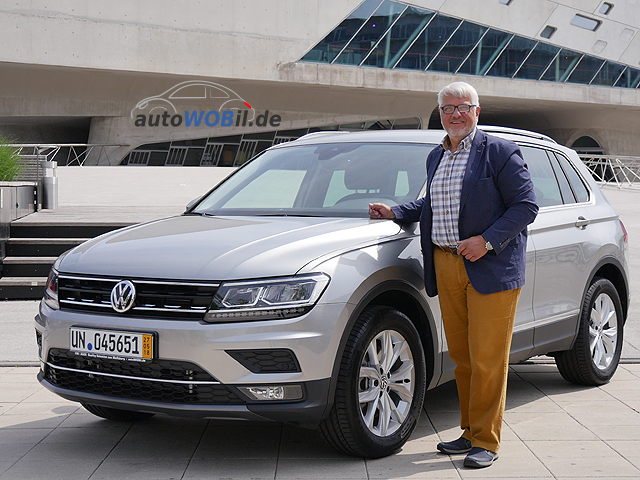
(51, 290)
(266, 299)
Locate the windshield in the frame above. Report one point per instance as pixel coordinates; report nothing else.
(327, 180)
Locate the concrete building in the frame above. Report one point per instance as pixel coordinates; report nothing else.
(78, 71)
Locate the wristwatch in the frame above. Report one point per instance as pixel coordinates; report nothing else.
(488, 245)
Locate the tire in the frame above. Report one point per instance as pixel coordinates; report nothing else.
(377, 405)
(117, 414)
(596, 353)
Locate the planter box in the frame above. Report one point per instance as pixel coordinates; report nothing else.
(17, 199)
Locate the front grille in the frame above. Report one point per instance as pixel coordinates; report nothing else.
(171, 370)
(167, 381)
(154, 298)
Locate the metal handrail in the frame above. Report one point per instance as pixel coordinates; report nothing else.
(76, 153)
(609, 169)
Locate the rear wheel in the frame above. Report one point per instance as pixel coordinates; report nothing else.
(596, 353)
(380, 388)
(116, 414)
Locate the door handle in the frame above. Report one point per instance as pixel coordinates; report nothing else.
(582, 222)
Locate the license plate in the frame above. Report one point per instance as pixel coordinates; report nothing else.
(111, 344)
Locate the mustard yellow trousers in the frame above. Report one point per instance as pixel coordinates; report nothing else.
(478, 329)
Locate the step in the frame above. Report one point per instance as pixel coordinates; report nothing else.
(40, 247)
(27, 266)
(22, 288)
(50, 230)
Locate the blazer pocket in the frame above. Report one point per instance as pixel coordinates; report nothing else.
(484, 200)
(483, 182)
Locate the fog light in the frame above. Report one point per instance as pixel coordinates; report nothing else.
(273, 392)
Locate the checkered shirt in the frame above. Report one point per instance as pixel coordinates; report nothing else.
(446, 188)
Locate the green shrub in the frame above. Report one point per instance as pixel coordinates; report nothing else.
(10, 164)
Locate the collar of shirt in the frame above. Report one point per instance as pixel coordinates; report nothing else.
(465, 144)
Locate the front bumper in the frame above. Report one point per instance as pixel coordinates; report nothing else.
(194, 374)
(308, 411)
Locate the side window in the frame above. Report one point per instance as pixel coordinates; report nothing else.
(579, 189)
(544, 179)
(565, 188)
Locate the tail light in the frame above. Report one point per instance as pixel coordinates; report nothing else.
(624, 232)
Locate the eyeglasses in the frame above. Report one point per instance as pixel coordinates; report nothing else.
(464, 108)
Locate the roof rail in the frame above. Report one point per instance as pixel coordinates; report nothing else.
(321, 133)
(516, 131)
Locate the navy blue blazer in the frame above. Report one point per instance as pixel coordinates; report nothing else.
(497, 201)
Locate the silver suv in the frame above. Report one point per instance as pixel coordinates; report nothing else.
(274, 296)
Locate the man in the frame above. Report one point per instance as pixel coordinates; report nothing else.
(473, 222)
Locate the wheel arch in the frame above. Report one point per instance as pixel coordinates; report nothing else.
(405, 298)
(611, 269)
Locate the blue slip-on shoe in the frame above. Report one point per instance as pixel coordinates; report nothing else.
(480, 458)
(461, 445)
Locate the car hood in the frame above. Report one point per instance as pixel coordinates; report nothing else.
(191, 247)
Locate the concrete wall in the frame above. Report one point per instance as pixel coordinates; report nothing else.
(246, 39)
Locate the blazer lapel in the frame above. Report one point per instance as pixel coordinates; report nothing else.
(473, 165)
(432, 166)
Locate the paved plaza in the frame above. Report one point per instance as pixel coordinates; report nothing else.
(553, 429)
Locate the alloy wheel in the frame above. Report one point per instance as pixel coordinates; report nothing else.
(386, 383)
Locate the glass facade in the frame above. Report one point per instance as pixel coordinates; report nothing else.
(390, 34)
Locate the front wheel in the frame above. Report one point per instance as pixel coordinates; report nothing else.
(596, 353)
(380, 387)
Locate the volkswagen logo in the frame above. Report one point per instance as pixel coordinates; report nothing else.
(122, 296)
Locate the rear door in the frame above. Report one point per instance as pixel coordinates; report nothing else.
(564, 242)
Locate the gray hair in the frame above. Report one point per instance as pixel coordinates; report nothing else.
(459, 90)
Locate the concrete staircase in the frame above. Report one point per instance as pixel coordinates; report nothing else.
(32, 248)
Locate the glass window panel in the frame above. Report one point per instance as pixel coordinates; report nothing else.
(577, 184)
(332, 44)
(261, 189)
(565, 188)
(485, 52)
(429, 42)
(562, 66)
(399, 38)
(585, 22)
(511, 57)
(629, 79)
(605, 9)
(543, 177)
(370, 33)
(608, 74)
(548, 31)
(585, 70)
(458, 47)
(322, 180)
(537, 62)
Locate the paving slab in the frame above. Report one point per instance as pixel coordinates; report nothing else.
(554, 433)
